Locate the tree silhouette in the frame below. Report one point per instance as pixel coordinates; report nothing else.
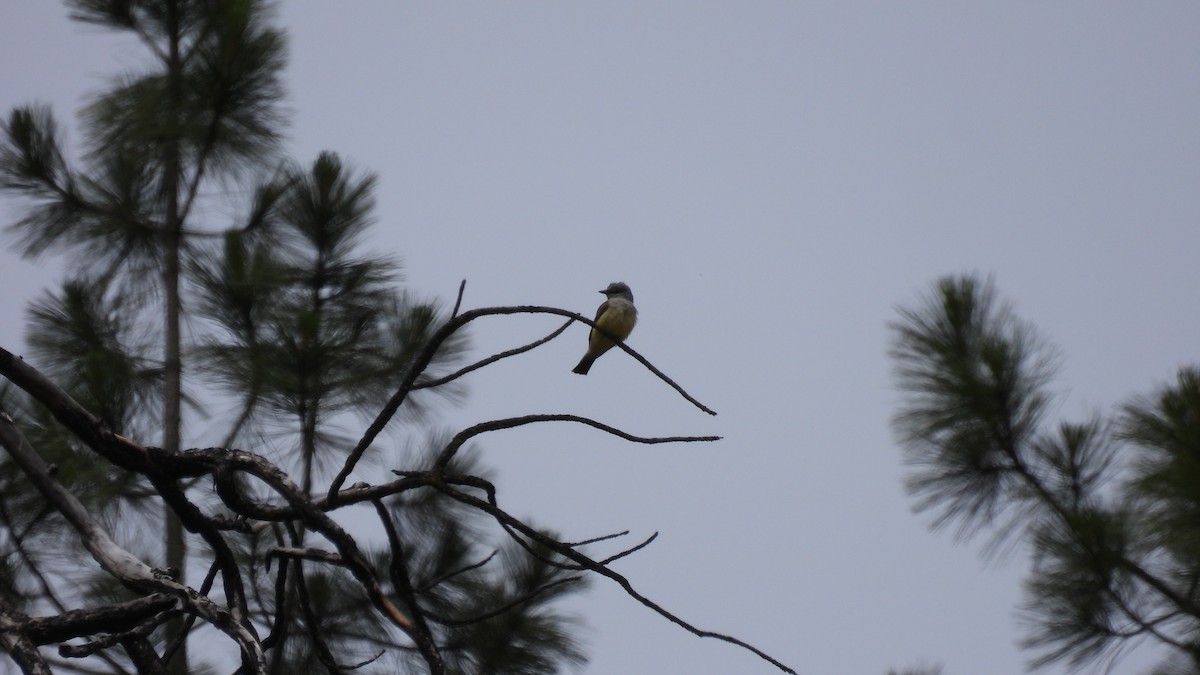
(308, 337)
(204, 108)
(254, 493)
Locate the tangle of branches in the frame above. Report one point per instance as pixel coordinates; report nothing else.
(254, 494)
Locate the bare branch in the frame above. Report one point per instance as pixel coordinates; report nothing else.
(140, 631)
(509, 521)
(279, 626)
(458, 301)
(425, 356)
(86, 426)
(114, 559)
(121, 617)
(178, 641)
(593, 540)
(402, 581)
(525, 598)
(14, 641)
(630, 550)
(291, 507)
(221, 461)
(467, 434)
(424, 384)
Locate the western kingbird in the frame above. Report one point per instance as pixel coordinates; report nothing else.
(615, 318)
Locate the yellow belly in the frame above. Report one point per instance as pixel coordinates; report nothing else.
(617, 321)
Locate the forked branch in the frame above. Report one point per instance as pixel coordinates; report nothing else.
(408, 381)
(288, 506)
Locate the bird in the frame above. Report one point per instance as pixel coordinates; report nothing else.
(614, 321)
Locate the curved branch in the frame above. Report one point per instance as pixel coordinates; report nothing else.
(279, 624)
(219, 460)
(123, 616)
(402, 582)
(131, 456)
(462, 286)
(14, 641)
(425, 356)
(83, 424)
(629, 551)
(603, 537)
(490, 360)
(586, 562)
(508, 606)
(508, 423)
(137, 633)
(114, 559)
(179, 639)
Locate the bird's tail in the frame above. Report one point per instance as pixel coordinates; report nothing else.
(585, 364)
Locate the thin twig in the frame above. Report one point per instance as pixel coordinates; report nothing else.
(458, 301)
(222, 461)
(114, 559)
(525, 598)
(280, 624)
(434, 583)
(566, 551)
(402, 581)
(190, 620)
(131, 456)
(423, 384)
(593, 540)
(425, 356)
(630, 550)
(313, 624)
(495, 425)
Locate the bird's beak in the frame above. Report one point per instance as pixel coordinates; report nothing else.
(604, 292)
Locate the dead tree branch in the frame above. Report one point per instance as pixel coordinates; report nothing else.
(256, 494)
(514, 524)
(114, 559)
(422, 360)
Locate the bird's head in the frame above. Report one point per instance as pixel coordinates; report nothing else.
(618, 289)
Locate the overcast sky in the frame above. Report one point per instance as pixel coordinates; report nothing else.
(772, 179)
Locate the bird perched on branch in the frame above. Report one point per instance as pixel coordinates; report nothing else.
(614, 321)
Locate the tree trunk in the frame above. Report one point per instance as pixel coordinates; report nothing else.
(176, 548)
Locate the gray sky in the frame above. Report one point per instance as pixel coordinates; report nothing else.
(771, 179)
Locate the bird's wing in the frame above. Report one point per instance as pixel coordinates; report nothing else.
(599, 312)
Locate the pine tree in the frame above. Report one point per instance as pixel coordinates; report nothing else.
(297, 334)
(205, 108)
(1108, 505)
(290, 317)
